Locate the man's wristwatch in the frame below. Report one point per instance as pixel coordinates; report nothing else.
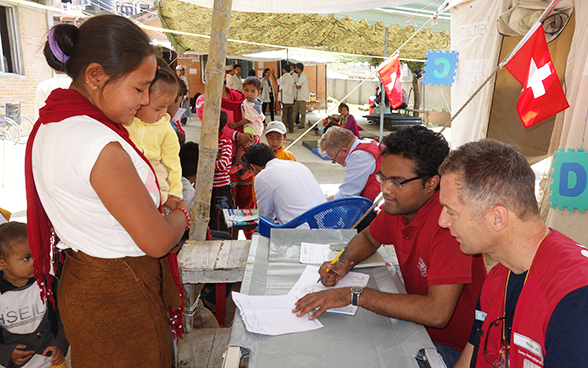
(355, 291)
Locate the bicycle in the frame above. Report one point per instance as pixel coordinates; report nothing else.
(12, 111)
(9, 130)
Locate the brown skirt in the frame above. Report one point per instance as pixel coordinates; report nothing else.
(113, 312)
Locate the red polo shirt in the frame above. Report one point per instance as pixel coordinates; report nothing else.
(428, 255)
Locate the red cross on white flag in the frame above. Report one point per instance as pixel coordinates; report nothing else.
(390, 74)
(530, 63)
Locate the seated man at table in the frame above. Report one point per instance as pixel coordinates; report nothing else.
(361, 159)
(538, 293)
(442, 283)
(283, 188)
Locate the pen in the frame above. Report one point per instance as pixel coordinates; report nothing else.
(333, 262)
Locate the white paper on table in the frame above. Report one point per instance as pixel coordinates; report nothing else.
(272, 314)
(178, 114)
(313, 253)
(307, 283)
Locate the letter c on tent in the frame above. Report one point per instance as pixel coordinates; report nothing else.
(446, 68)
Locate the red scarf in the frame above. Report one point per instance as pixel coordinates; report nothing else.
(63, 104)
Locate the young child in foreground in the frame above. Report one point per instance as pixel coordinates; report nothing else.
(253, 117)
(153, 134)
(275, 134)
(32, 333)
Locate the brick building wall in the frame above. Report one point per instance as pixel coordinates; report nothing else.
(32, 30)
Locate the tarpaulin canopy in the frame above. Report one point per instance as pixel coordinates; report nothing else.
(306, 6)
(260, 31)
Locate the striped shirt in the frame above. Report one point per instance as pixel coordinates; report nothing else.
(223, 162)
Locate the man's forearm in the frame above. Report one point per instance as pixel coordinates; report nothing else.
(432, 310)
(360, 247)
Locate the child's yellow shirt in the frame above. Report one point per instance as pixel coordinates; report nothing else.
(159, 142)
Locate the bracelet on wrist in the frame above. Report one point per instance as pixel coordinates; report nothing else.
(349, 264)
(187, 216)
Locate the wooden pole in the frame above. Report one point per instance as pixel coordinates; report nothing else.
(215, 74)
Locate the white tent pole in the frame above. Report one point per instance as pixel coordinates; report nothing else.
(382, 95)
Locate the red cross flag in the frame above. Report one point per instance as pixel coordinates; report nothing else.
(390, 74)
(530, 63)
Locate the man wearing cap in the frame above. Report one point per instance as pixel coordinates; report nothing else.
(278, 184)
(229, 80)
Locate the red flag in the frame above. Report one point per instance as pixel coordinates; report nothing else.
(530, 63)
(390, 74)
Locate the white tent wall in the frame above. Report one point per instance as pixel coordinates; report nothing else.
(570, 127)
(479, 55)
(474, 36)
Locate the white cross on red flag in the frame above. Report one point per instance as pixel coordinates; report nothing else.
(531, 65)
(390, 75)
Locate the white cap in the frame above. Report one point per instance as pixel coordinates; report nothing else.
(275, 126)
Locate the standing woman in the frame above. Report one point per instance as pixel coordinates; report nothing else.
(87, 183)
(267, 92)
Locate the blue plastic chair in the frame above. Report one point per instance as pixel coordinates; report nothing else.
(341, 213)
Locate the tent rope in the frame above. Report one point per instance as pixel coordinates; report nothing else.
(394, 54)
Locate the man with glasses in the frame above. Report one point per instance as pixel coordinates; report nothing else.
(284, 189)
(442, 283)
(533, 305)
(361, 159)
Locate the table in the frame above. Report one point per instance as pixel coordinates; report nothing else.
(318, 103)
(218, 262)
(364, 340)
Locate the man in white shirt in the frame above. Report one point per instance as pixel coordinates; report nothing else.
(286, 85)
(237, 77)
(60, 80)
(302, 95)
(279, 184)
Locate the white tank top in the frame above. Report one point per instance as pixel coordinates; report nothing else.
(63, 157)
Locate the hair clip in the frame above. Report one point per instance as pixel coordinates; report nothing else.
(158, 67)
(55, 50)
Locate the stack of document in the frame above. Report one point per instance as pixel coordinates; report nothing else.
(272, 314)
(307, 283)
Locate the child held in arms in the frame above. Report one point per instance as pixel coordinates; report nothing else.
(275, 134)
(153, 134)
(32, 333)
(253, 117)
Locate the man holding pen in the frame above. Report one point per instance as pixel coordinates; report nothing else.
(442, 283)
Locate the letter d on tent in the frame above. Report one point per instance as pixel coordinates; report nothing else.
(567, 168)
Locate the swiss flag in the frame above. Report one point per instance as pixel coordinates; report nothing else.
(390, 74)
(530, 63)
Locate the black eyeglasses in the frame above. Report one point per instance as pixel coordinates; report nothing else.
(498, 359)
(334, 159)
(394, 183)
